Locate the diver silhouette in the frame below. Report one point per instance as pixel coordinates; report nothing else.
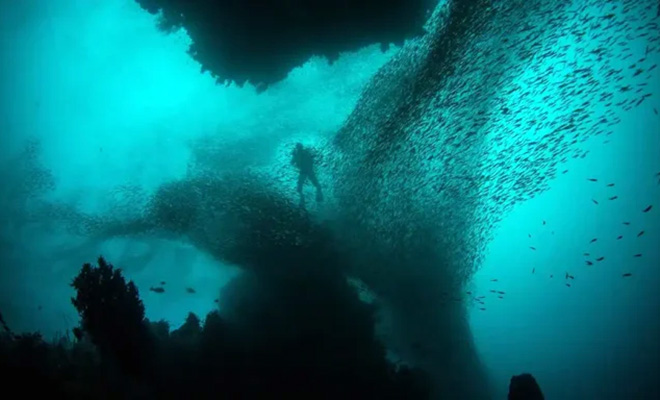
(303, 159)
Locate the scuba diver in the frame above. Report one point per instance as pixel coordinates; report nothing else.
(303, 159)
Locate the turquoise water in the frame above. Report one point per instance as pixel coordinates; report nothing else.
(118, 103)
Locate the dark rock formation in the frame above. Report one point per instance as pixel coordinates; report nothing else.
(261, 41)
(524, 387)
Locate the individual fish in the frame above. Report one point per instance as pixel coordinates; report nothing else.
(190, 290)
(619, 237)
(469, 293)
(627, 274)
(647, 209)
(493, 280)
(157, 289)
(529, 235)
(655, 111)
(586, 254)
(162, 282)
(482, 309)
(614, 197)
(565, 171)
(600, 259)
(610, 185)
(589, 262)
(216, 301)
(637, 255)
(533, 270)
(594, 240)
(493, 291)
(626, 223)
(533, 248)
(481, 297)
(595, 202)
(551, 276)
(501, 292)
(640, 233)
(543, 222)
(568, 284)
(592, 179)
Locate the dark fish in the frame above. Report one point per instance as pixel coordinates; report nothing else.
(627, 274)
(551, 276)
(589, 262)
(647, 209)
(600, 259)
(481, 297)
(493, 280)
(565, 171)
(640, 233)
(568, 284)
(619, 238)
(610, 185)
(493, 291)
(586, 254)
(533, 269)
(500, 292)
(529, 235)
(500, 297)
(216, 301)
(469, 292)
(157, 290)
(614, 197)
(626, 223)
(637, 255)
(39, 308)
(592, 179)
(482, 309)
(594, 240)
(533, 248)
(655, 111)
(162, 282)
(190, 290)
(595, 202)
(544, 222)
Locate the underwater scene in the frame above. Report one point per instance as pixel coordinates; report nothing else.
(392, 199)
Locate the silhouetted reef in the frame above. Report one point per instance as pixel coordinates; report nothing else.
(282, 336)
(262, 41)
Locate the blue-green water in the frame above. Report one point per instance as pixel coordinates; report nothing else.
(113, 102)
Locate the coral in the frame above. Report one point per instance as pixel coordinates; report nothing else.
(112, 315)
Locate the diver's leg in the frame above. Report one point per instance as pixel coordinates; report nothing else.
(301, 181)
(315, 182)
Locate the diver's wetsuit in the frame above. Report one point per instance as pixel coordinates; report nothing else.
(303, 159)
